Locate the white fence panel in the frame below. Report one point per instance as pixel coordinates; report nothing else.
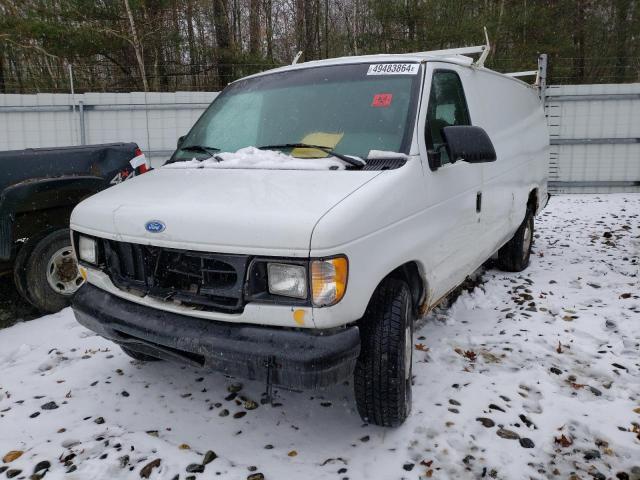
(152, 120)
(595, 137)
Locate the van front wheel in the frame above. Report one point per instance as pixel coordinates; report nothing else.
(383, 370)
(514, 255)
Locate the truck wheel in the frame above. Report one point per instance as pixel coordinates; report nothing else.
(383, 370)
(51, 272)
(514, 255)
(138, 356)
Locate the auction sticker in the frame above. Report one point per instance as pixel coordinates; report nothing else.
(393, 69)
(382, 100)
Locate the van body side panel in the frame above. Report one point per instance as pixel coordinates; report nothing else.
(511, 113)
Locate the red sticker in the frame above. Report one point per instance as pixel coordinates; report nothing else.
(382, 100)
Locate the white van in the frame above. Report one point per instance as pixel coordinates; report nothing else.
(311, 214)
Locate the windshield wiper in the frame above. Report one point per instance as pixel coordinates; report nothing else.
(211, 151)
(353, 161)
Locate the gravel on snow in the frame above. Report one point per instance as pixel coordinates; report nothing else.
(526, 375)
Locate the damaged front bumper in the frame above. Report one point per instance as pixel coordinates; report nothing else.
(290, 358)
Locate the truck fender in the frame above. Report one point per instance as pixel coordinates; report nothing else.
(15, 197)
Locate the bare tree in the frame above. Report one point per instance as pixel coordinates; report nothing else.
(223, 40)
(254, 28)
(137, 46)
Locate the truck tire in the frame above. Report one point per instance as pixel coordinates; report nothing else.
(514, 255)
(138, 356)
(383, 371)
(51, 272)
(20, 268)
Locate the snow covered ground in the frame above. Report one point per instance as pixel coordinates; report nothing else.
(531, 375)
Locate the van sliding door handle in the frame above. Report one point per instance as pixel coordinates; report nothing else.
(478, 202)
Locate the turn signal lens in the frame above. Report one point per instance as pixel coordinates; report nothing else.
(328, 280)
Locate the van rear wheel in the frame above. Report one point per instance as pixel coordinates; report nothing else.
(383, 370)
(515, 254)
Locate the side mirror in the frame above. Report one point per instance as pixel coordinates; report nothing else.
(469, 144)
(181, 141)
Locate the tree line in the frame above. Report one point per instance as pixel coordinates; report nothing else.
(167, 45)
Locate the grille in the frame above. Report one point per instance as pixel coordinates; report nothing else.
(207, 281)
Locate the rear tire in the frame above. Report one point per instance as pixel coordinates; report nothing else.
(139, 356)
(383, 370)
(51, 272)
(515, 254)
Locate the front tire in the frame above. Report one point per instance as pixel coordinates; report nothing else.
(383, 370)
(515, 254)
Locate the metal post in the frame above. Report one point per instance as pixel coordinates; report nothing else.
(73, 100)
(83, 132)
(542, 77)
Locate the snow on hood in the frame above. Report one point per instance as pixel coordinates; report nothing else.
(252, 157)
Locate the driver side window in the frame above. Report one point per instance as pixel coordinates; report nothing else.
(447, 107)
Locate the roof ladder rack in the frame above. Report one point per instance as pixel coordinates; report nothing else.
(483, 50)
(528, 73)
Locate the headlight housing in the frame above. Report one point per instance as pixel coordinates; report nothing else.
(87, 250)
(328, 280)
(287, 280)
(317, 282)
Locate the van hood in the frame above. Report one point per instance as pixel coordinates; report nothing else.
(268, 212)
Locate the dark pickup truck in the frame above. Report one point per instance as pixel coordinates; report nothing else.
(38, 189)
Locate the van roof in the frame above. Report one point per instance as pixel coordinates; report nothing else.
(446, 56)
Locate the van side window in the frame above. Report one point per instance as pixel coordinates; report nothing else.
(447, 107)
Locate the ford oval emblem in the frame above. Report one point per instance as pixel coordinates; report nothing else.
(155, 226)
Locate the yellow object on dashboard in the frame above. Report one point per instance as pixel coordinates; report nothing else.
(329, 140)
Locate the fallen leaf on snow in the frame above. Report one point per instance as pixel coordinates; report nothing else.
(422, 347)
(470, 355)
(12, 455)
(146, 470)
(489, 357)
(564, 441)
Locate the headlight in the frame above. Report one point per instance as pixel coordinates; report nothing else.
(287, 280)
(87, 250)
(328, 280)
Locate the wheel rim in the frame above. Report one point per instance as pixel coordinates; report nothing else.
(528, 237)
(63, 275)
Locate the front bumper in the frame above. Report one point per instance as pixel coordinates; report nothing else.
(292, 358)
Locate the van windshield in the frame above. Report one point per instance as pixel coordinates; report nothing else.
(351, 109)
